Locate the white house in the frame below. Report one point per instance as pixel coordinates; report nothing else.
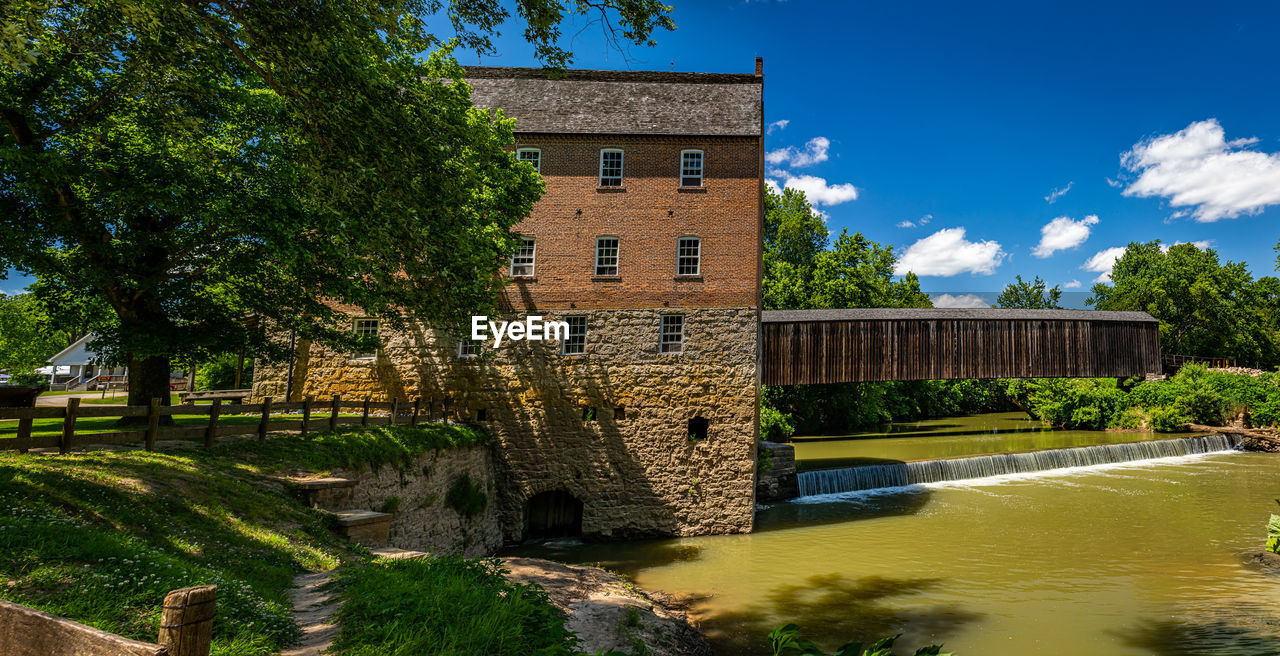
(77, 368)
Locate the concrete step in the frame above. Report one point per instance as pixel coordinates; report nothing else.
(372, 529)
(325, 493)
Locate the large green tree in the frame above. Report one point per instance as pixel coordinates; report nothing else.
(27, 338)
(1206, 307)
(191, 164)
(1035, 295)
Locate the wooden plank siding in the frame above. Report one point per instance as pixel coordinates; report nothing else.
(864, 346)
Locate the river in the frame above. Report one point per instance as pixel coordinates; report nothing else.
(1144, 558)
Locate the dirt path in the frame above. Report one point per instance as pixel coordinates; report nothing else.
(313, 611)
(609, 613)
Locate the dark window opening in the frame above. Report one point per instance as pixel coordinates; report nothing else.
(588, 413)
(620, 413)
(481, 415)
(556, 514)
(698, 429)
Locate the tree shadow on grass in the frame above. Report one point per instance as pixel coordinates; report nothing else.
(1241, 630)
(832, 609)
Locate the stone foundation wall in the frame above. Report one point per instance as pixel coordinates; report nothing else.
(422, 520)
(634, 467)
(779, 482)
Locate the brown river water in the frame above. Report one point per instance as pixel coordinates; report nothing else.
(1142, 558)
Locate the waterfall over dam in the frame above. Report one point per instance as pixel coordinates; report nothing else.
(870, 477)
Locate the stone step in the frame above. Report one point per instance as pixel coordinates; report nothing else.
(326, 493)
(372, 529)
(394, 553)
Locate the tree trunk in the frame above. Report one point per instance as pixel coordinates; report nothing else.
(148, 379)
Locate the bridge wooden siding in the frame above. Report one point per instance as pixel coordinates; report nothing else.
(842, 346)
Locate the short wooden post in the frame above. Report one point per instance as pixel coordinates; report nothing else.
(333, 416)
(69, 425)
(186, 620)
(24, 432)
(444, 410)
(153, 424)
(211, 430)
(413, 418)
(306, 416)
(395, 409)
(266, 419)
(364, 419)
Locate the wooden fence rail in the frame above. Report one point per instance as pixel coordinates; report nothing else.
(304, 417)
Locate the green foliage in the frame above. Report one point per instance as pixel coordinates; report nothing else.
(444, 607)
(786, 641)
(185, 164)
(1088, 404)
(1030, 295)
(27, 336)
(1168, 419)
(1205, 307)
(1273, 533)
(466, 497)
(1130, 418)
(775, 425)
(219, 373)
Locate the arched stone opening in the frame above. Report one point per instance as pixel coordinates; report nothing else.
(554, 514)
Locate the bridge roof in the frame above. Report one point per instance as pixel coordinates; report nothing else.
(947, 314)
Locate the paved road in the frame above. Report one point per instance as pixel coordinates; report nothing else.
(60, 400)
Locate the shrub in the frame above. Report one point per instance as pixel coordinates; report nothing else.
(1273, 533)
(1267, 413)
(466, 497)
(1168, 419)
(220, 373)
(1129, 419)
(1083, 404)
(775, 425)
(786, 641)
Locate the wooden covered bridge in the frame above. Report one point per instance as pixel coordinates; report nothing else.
(860, 345)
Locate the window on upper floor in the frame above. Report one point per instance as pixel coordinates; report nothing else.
(469, 348)
(606, 256)
(522, 261)
(532, 156)
(575, 343)
(691, 168)
(671, 337)
(688, 256)
(611, 167)
(365, 329)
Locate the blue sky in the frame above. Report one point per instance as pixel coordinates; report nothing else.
(970, 115)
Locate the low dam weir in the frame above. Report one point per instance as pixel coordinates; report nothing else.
(871, 477)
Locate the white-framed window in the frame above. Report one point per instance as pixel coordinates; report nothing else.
(532, 156)
(671, 338)
(688, 256)
(365, 328)
(522, 261)
(468, 348)
(575, 343)
(691, 168)
(611, 167)
(606, 256)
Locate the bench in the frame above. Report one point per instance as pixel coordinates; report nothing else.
(236, 396)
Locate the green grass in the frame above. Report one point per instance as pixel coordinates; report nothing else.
(100, 537)
(444, 607)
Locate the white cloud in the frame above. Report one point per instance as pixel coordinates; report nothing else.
(1102, 263)
(780, 124)
(1198, 169)
(1201, 244)
(1072, 285)
(814, 152)
(961, 301)
(922, 221)
(1063, 233)
(1058, 193)
(773, 185)
(816, 189)
(947, 253)
(906, 224)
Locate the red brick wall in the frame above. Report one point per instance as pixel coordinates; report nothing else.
(647, 214)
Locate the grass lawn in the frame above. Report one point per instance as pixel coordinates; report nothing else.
(101, 537)
(53, 426)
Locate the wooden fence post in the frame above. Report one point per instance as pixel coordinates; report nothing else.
(153, 424)
(186, 620)
(413, 419)
(266, 419)
(333, 417)
(306, 415)
(24, 432)
(395, 408)
(69, 424)
(364, 419)
(211, 430)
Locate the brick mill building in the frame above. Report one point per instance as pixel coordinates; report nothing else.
(647, 243)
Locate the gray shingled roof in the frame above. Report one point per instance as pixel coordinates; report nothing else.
(622, 102)
(987, 314)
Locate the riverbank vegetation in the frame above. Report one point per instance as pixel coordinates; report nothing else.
(1273, 533)
(786, 641)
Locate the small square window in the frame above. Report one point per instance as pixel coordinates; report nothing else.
(691, 168)
(522, 261)
(575, 343)
(698, 429)
(365, 329)
(611, 168)
(532, 156)
(688, 256)
(672, 336)
(469, 348)
(606, 256)
(620, 413)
